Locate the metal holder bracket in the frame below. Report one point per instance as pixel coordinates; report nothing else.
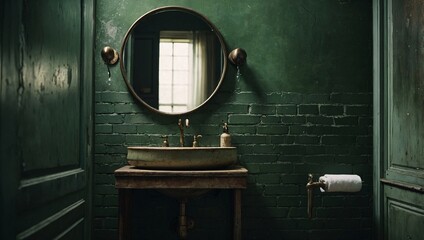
(309, 188)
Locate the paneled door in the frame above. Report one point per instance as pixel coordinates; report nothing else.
(399, 118)
(46, 118)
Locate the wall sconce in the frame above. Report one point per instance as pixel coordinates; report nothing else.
(110, 56)
(238, 57)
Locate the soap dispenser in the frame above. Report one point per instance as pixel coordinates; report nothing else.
(225, 137)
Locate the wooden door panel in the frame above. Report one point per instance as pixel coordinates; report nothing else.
(49, 87)
(405, 214)
(63, 184)
(407, 75)
(46, 124)
(399, 118)
(50, 196)
(57, 224)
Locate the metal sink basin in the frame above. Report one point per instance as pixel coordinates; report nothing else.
(182, 158)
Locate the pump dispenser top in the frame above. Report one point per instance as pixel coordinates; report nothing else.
(225, 140)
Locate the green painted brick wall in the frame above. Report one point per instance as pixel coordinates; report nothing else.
(302, 105)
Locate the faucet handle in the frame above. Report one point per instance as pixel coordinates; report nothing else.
(165, 141)
(182, 124)
(195, 140)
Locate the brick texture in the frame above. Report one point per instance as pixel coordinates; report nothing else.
(279, 143)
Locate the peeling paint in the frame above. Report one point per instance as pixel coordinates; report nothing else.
(22, 47)
(111, 29)
(69, 76)
(20, 93)
(42, 87)
(62, 76)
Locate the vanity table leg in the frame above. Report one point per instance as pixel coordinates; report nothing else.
(237, 214)
(125, 213)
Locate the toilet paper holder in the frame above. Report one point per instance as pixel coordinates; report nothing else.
(309, 188)
(311, 184)
(332, 183)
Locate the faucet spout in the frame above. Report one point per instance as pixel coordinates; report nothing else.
(181, 126)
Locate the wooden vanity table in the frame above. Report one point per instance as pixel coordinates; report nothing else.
(129, 178)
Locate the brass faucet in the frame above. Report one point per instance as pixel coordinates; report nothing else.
(196, 140)
(181, 125)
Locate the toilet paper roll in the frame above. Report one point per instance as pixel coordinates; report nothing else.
(341, 183)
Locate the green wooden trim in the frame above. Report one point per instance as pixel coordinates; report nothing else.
(404, 185)
(9, 164)
(2, 13)
(41, 227)
(87, 105)
(378, 116)
(388, 80)
(384, 89)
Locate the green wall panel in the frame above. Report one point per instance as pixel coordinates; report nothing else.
(303, 104)
(308, 46)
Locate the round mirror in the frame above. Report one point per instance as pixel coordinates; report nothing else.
(173, 60)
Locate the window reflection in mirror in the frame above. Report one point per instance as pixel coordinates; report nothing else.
(175, 70)
(184, 69)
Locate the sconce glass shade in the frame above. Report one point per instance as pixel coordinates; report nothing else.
(109, 55)
(238, 57)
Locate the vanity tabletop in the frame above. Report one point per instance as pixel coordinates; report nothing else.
(133, 171)
(137, 178)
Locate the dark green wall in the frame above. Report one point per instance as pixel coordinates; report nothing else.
(303, 104)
